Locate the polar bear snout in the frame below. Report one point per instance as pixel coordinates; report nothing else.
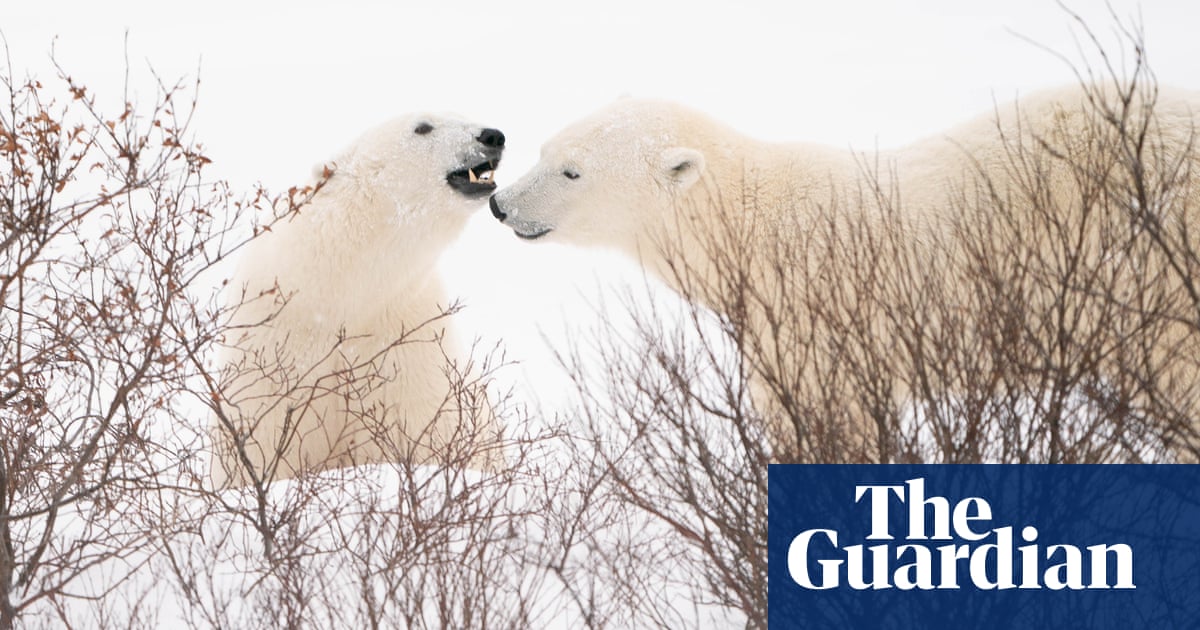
(474, 177)
(491, 138)
(523, 228)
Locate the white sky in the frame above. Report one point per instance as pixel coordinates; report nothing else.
(287, 84)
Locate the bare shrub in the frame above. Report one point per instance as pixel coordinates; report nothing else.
(430, 544)
(114, 249)
(108, 230)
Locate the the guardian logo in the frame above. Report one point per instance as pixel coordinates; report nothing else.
(946, 545)
(984, 547)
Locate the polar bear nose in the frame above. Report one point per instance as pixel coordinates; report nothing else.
(491, 138)
(496, 211)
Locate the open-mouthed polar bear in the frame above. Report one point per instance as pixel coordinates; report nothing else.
(334, 359)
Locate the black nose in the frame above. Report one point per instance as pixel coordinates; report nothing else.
(491, 138)
(496, 211)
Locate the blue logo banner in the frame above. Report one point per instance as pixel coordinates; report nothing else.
(984, 546)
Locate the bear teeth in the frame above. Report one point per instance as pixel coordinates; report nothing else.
(485, 176)
(471, 176)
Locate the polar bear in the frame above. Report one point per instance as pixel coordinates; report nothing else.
(333, 358)
(657, 180)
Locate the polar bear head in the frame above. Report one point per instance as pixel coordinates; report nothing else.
(425, 162)
(608, 178)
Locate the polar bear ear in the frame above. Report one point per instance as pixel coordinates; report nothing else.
(681, 167)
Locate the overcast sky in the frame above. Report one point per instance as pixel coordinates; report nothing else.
(287, 84)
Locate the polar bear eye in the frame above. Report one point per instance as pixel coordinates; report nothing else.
(570, 174)
(423, 129)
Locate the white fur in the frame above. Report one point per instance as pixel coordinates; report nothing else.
(357, 262)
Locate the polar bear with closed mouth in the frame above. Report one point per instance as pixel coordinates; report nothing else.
(654, 179)
(315, 376)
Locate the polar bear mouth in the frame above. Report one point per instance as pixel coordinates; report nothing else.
(474, 181)
(533, 236)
